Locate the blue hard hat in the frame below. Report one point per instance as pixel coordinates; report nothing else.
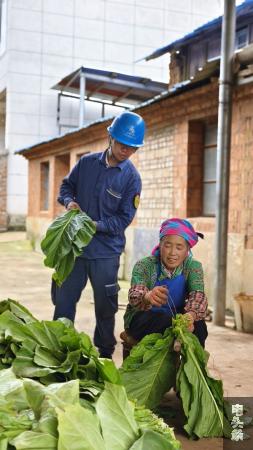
(128, 128)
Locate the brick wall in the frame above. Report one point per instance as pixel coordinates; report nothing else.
(241, 174)
(3, 192)
(170, 160)
(155, 164)
(168, 163)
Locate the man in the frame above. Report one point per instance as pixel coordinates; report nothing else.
(107, 187)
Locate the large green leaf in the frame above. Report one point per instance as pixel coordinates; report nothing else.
(117, 420)
(152, 440)
(64, 241)
(12, 390)
(202, 395)
(17, 309)
(78, 429)
(30, 440)
(154, 363)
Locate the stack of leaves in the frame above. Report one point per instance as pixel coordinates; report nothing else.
(33, 416)
(65, 239)
(149, 372)
(51, 351)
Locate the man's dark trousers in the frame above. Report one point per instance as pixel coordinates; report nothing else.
(102, 274)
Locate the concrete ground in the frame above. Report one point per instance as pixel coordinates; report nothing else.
(26, 279)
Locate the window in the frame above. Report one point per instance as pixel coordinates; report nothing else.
(209, 170)
(201, 180)
(213, 48)
(3, 15)
(242, 37)
(44, 186)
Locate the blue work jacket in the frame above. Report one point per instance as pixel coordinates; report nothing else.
(108, 195)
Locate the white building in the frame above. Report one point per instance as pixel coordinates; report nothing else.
(42, 41)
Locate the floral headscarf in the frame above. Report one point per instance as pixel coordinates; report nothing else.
(179, 227)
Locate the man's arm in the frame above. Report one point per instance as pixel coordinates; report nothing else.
(67, 193)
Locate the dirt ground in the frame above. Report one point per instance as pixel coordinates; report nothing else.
(24, 278)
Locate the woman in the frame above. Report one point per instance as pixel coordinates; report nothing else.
(166, 283)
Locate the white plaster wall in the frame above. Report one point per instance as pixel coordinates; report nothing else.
(47, 39)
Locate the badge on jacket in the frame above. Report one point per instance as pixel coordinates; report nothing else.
(136, 200)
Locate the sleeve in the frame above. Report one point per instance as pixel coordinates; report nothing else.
(197, 301)
(197, 304)
(67, 192)
(127, 209)
(141, 283)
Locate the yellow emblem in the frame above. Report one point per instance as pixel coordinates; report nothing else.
(136, 200)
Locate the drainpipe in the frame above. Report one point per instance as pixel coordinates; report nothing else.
(82, 97)
(223, 160)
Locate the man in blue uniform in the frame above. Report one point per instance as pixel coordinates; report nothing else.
(107, 187)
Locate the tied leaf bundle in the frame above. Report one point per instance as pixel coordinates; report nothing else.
(201, 395)
(65, 239)
(149, 372)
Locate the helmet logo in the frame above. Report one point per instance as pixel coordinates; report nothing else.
(131, 131)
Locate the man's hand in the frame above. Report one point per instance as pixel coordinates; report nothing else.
(73, 205)
(190, 321)
(158, 296)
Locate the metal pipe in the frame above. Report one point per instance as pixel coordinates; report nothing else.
(82, 97)
(223, 160)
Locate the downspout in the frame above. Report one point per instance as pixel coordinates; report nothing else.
(223, 160)
(82, 99)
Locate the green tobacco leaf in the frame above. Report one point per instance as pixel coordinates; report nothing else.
(34, 441)
(64, 241)
(202, 395)
(154, 441)
(24, 365)
(116, 416)
(147, 420)
(12, 326)
(12, 389)
(155, 364)
(17, 309)
(108, 371)
(78, 429)
(3, 444)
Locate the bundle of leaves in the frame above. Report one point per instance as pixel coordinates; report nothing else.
(65, 239)
(149, 372)
(51, 351)
(201, 395)
(33, 416)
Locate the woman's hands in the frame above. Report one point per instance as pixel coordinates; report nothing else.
(190, 318)
(158, 296)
